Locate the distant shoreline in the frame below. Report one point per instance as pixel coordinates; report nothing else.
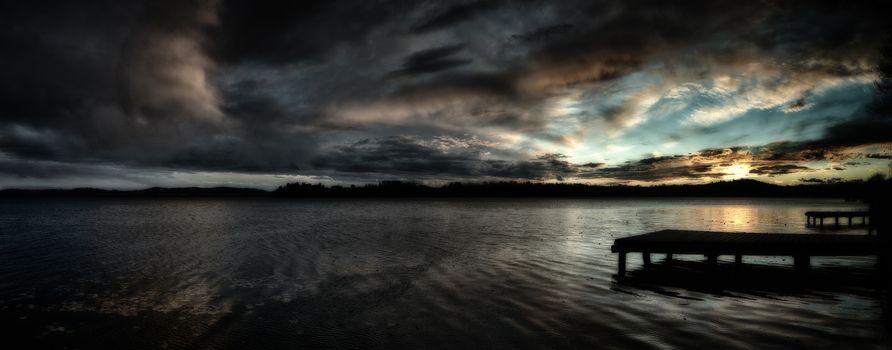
(393, 189)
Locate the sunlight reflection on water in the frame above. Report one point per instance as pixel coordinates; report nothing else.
(501, 273)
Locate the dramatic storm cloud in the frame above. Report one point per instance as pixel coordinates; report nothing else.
(209, 92)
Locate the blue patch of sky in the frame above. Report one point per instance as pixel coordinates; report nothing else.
(753, 127)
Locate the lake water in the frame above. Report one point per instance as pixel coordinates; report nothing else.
(417, 273)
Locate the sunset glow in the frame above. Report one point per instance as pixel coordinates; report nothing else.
(737, 171)
(569, 91)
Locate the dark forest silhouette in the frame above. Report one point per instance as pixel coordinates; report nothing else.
(872, 188)
(737, 188)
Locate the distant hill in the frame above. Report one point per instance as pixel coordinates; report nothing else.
(149, 192)
(398, 189)
(736, 188)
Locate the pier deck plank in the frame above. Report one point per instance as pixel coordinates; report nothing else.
(742, 243)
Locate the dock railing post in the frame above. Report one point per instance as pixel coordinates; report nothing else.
(646, 257)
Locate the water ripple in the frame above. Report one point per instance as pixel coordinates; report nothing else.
(413, 274)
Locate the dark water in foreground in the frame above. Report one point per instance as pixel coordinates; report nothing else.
(453, 273)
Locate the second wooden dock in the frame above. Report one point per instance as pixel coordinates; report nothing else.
(816, 218)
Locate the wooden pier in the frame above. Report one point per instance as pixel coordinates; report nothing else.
(816, 218)
(713, 244)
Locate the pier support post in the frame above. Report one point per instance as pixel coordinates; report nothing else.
(850, 221)
(738, 260)
(822, 222)
(621, 265)
(668, 260)
(836, 221)
(801, 262)
(646, 257)
(712, 259)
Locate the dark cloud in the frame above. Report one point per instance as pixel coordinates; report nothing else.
(451, 14)
(91, 81)
(860, 130)
(646, 170)
(814, 180)
(797, 105)
(130, 83)
(614, 38)
(779, 169)
(282, 32)
(432, 60)
(410, 156)
(268, 87)
(796, 151)
(56, 57)
(545, 33)
(47, 170)
(878, 156)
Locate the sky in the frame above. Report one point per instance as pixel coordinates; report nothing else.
(134, 94)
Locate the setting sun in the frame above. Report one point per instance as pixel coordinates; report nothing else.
(737, 171)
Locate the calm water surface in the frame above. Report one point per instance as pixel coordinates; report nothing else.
(457, 273)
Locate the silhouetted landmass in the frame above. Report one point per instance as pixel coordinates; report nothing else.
(737, 188)
(149, 192)
(399, 189)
